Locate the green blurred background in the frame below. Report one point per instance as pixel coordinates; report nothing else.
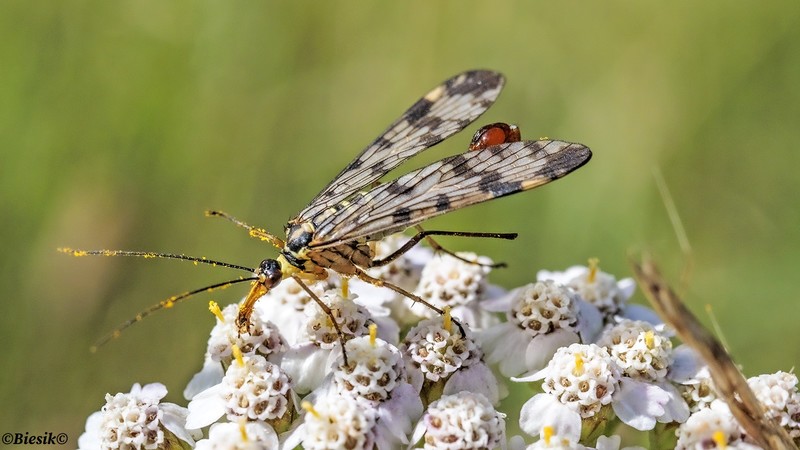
(121, 122)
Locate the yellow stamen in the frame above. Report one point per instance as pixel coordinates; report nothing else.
(243, 428)
(310, 409)
(373, 333)
(719, 439)
(447, 320)
(593, 262)
(649, 339)
(547, 434)
(578, 371)
(345, 287)
(237, 355)
(214, 308)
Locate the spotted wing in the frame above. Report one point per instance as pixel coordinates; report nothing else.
(442, 112)
(450, 184)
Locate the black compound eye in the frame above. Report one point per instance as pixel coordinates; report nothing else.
(271, 269)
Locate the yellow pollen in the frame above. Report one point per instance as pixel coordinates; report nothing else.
(719, 439)
(649, 339)
(578, 365)
(237, 354)
(593, 262)
(373, 333)
(310, 409)
(345, 287)
(447, 320)
(547, 434)
(243, 429)
(214, 308)
(73, 252)
(255, 233)
(168, 303)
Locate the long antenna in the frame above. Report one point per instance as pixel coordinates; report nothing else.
(169, 302)
(164, 304)
(146, 255)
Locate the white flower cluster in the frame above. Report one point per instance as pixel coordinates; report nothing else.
(712, 424)
(596, 360)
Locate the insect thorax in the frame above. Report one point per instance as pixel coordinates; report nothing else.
(344, 258)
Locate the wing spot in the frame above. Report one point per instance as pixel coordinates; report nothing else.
(401, 215)
(480, 81)
(433, 123)
(488, 180)
(419, 110)
(460, 166)
(501, 188)
(379, 166)
(395, 188)
(442, 202)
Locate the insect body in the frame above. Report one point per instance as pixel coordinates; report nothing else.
(335, 230)
(338, 228)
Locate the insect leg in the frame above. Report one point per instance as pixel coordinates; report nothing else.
(424, 234)
(438, 247)
(327, 311)
(363, 276)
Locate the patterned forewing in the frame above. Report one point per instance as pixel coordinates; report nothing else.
(444, 111)
(450, 184)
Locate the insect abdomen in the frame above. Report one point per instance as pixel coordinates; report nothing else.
(344, 258)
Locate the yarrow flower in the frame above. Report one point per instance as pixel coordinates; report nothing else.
(699, 391)
(541, 318)
(551, 441)
(262, 338)
(447, 281)
(440, 360)
(602, 290)
(137, 420)
(375, 376)
(643, 352)
(252, 388)
(578, 382)
(375, 368)
(640, 350)
(461, 421)
(239, 436)
(781, 399)
(712, 427)
(601, 362)
(310, 360)
(582, 385)
(335, 422)
(286, 306)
